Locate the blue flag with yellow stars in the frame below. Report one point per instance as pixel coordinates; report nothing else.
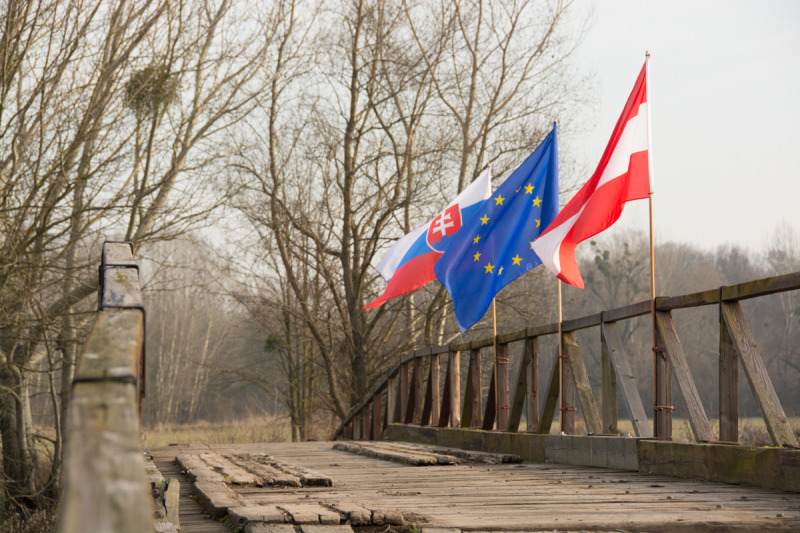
(494, 246)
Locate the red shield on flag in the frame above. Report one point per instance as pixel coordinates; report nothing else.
(446, 223)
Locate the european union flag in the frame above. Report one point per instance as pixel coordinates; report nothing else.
(494, 246)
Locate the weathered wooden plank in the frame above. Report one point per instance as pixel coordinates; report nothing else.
(311, 528)
(433, 384)
(232, 472)
(391, 401)
(257, 527)
(466, 410)
(366, 421)
(501, 367)
(608, 387)
(427, 405)
(550, 400)
(627, 382)
(591, 413)
(377, 426)
(242, 515)
(198, 470)
(662, 396)
(629, 311)
(172, 502)
(419, 391)
(490, 411)
(444, 414)
(532, 383)
(217, 498)
(263, 467)
(356, 514)
(112, 350)
(762, 287)
(581, 323)
(683, 377)
(454, 370)
(311, 513)
(520, 392)
(117, 253)
(474, 394)
(404, 396)
(121, 288)
(567, 409)
(775, 418)
(105, 489)
(687, 301)
(728, 386)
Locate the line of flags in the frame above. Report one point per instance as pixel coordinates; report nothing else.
(481, 241)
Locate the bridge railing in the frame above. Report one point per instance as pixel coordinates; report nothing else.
(106, 488)
(410, 392)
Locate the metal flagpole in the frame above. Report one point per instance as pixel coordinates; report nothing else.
(560, 359)
(652, 244)
(496, 368)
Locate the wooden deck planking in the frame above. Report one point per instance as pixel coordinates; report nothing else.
(193, 517)
(513, 496)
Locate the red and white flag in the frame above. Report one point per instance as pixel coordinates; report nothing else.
(622, 175)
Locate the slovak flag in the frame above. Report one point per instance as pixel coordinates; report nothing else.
(408, 265)
(622, 175)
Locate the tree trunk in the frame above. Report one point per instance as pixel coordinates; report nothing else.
(19, 454)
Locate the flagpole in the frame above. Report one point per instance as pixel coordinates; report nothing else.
(560, 359)
(652, 244)
(496, 367)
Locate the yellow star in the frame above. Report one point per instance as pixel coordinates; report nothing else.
(531, 245)
(476, 239)
(518, 188)
(537, 202)
(489, 268)
(477, 256)
(499, 200)
(538, 223)
(529, 189)
(517, 259)
(499, 272)
(484, 220)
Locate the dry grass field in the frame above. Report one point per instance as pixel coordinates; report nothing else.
(752, 432)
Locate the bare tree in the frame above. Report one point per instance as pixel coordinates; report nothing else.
(370, 125)
(67, 177)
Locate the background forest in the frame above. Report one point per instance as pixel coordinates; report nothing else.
(260, 156)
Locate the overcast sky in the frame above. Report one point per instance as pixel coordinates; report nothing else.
(725, 110)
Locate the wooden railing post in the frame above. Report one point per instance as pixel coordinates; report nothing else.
(391, 401)
(418, 390)
(454, 383)
(377, 427)
(502, 407)
(771, 409)
(472, 415)
(662, 418)
(728, 385)
(532, 383)
(433, 384)
(403, 391)
(567, 408)
(106, 488)
(609, 386)
(366, 420)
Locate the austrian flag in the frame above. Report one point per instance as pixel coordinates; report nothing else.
(408, 265)
(622, 175)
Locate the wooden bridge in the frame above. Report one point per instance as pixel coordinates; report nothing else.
(415, 456)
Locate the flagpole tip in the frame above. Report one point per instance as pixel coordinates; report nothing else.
(647, 54)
